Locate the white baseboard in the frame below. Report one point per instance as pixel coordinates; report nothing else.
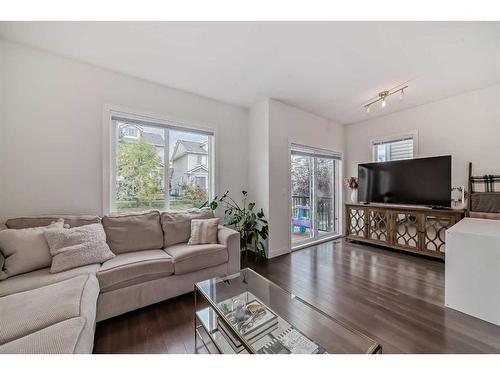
(277, 252)
(317, 242)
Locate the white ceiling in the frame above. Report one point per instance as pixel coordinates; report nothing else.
(328, 68)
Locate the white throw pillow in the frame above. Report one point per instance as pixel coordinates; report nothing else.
(203, 231)
(76, 247)
(25, 250)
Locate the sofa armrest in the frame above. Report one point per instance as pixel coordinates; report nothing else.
(231, 239)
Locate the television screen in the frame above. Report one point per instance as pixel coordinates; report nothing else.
(425, 181)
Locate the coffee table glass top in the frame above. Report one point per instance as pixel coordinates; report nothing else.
(247, 313)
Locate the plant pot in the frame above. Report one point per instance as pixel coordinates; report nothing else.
(255, 257)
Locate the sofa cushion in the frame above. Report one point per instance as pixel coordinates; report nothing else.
(25, 250)
(133, 232)
(189, 258)
(76, 247)
(61, 338)
(30, 311)
(485, 202)
(203, 231)
(134, 267)
(177, 224)
(44, 220)
(43, 277)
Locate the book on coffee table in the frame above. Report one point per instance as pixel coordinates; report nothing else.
(235, 343)
(291, 341)
(252, 326)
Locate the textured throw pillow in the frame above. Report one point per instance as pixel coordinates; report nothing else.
(203, 231)
(76, 247)
(25, 250)
(2, 259)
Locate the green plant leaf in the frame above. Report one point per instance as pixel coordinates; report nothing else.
(251, 225)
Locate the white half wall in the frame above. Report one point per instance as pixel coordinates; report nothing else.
(465, 126)
(51, 130)
(288, 125)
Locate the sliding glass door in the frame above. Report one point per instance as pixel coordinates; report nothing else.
(302, 207)
(324, 196)
(315, 189)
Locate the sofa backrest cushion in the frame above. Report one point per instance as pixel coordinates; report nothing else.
(177, 224)
(133, 232)
(25, 250)
(44, 220)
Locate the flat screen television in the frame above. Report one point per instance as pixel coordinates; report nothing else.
(424, 181)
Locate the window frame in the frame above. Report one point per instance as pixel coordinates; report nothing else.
(110, 137)
(413, 134)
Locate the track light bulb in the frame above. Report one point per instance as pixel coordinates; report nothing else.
(368, 109)
(383, 103)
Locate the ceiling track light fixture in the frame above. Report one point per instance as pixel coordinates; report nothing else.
(382, 97)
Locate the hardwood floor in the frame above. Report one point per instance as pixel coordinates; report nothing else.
(397, 299)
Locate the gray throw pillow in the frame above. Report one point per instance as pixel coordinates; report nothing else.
(203, 231)
(76, 247)
(25, 250)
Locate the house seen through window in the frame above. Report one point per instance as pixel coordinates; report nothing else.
(159, 166)
(393, 149)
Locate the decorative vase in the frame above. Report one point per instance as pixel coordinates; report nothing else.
(354, 195)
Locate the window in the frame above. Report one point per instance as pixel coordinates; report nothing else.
(130, 131)
(394, 148)
(201, 181)
(150, 166)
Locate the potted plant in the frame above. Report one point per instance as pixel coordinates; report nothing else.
(352, 184)
(253, 226)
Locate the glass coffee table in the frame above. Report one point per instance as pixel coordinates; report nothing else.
(247, 313)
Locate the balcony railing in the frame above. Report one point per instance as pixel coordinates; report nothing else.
(301, 209)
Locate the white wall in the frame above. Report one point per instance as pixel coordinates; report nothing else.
(51, 136)
(466, 126)
(258, 154)
(51, 130)
(287, 125)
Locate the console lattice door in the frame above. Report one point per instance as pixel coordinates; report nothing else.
(406, 230)
(435, 228)
(357, 223)
(378, 221)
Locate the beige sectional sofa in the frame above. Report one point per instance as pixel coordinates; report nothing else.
(43, 312)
